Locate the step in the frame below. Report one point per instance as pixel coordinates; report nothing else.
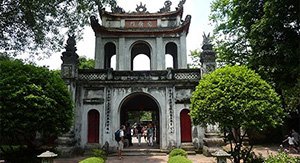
(146, 150)
(187, 144)
(188, 148)
(140, 154)
(191, 152)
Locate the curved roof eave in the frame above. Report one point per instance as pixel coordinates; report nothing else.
(184, 27)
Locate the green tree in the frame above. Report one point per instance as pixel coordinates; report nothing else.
(85, 63)
(32, 26)
(195, 56)
(235, 97)
(35, 105)
(265, 37)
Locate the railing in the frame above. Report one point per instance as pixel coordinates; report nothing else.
(156, 75)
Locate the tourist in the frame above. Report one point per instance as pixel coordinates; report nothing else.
(144, 131)
(291, 143)
(128, 134)
(139, 133)
(150, 134)
(121, 142)
(296, 137)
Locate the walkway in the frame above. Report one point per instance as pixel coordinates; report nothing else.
(162, 158)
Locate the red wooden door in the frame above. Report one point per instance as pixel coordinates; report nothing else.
(93, 126)
(185, 126)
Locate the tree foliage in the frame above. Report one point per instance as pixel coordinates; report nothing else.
(85, 63)
(34, 101)
(235, 97)
(34, 26)
(195, 56)
(264, 35)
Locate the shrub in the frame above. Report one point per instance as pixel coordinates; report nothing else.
(99, 153)
(282, 157)
(179, 159)
(178, 152)
(93, 160)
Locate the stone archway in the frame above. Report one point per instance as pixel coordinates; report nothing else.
(141, 102)
(185, 126)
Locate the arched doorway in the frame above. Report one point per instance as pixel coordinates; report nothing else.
(185, 126)
(141, 108)
(93, 126)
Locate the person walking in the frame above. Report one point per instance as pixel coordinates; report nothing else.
(291, 143)
(150, 134)
(119, 136)
(139, 133)
(144, 131)
(296, 137)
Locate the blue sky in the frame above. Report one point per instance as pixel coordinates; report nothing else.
(198, 9)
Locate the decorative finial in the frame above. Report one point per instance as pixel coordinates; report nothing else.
(167, 6)
(70, 56)
(206, 39)
(115, 8)
(141, 8)
(181, 3)
(70, 47)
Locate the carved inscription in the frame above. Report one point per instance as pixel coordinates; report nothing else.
(171, 123)
(140, 24)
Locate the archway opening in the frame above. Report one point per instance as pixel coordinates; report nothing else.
(141, 109)
(113, 62)
(171, 49)
(185, 126)
(140, 56)
(169, 61)
(110, 51)
(141, 62)
(93, 126)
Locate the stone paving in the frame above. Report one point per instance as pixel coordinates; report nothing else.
(163, 158)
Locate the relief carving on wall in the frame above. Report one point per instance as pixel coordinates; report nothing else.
(107, 112)
(171, 111)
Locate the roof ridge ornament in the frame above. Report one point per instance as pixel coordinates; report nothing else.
(115, 8)
(181, 3)
(167, 7)
(141, 8)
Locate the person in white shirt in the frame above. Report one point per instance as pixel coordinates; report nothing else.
(121, 142)
(291, 143)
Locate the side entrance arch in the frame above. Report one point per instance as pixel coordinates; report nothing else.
(185, 126)
(93, 126)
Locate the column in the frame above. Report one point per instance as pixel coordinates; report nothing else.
(160, 53)
(182, 58)
(99, 53)
(121, 59)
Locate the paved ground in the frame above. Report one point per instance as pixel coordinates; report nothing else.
(199, 158)
(264, 150)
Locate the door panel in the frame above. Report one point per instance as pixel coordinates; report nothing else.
(185, 126)
(93, 126)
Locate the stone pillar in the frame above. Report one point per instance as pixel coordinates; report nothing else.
(208, 56)
(123, 61)
(182, 58)
(161, 63)
(212, 140)
(212, 137)
(69, 72)
(69, 67)
(99, 53)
